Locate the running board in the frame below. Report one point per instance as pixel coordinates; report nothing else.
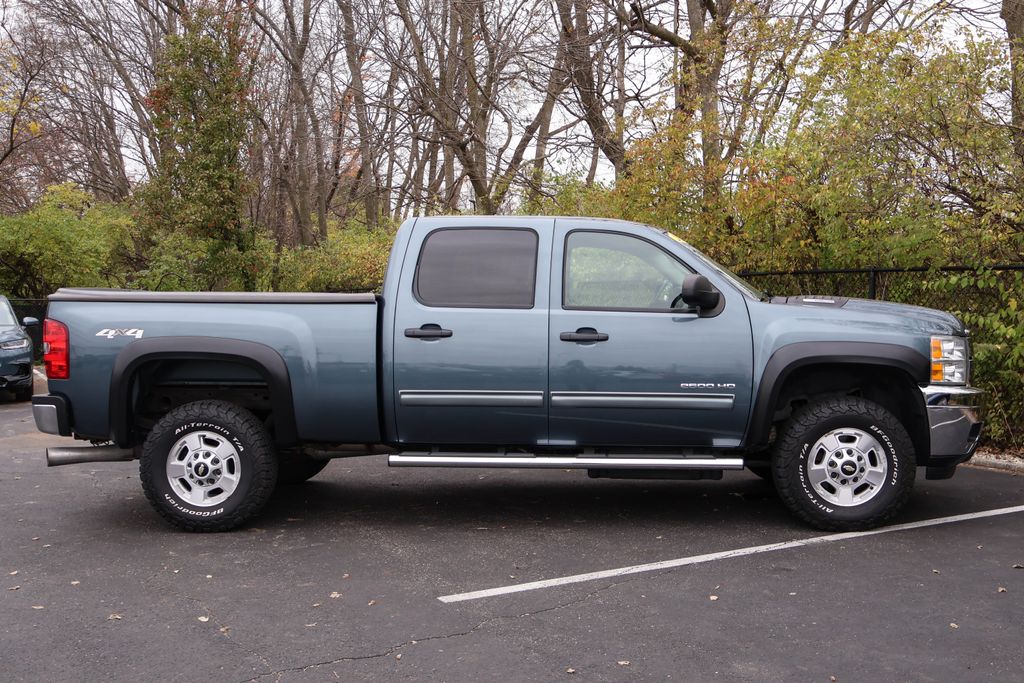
(562, 463)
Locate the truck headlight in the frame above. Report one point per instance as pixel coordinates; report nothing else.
(16, 344)
(950, 362)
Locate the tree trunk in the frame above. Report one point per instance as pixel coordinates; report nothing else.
(1012, 13)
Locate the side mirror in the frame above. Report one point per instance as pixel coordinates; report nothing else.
(29, 322)
(697, 291)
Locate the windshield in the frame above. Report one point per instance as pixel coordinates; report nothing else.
(6, 314)
(732, 277)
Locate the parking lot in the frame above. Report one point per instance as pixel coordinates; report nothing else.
(340, 579)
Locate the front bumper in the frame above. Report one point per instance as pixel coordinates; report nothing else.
(52, 414)
(16, 381)
(954, 420)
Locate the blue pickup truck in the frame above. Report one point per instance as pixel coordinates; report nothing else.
(521, 342)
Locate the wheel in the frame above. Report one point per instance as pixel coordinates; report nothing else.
(208, 466)
(295, 467)
(844, 464)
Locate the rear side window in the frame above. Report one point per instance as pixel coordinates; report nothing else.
(478, 268)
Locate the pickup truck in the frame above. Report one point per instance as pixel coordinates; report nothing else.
(518, 342)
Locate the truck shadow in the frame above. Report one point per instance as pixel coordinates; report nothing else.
(497, 501)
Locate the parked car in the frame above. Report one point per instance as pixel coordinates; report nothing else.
(514, 342)
(15, 353)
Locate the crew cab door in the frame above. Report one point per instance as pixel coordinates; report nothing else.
(470, 333)
(626, 368)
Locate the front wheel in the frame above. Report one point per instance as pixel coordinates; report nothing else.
(208, 466)
(844, 464)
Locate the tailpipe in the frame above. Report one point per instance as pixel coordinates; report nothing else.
(70, 455)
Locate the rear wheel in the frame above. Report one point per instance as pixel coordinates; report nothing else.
(208, 466)
(844, 464)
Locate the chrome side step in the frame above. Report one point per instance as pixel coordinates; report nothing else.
(561, 462)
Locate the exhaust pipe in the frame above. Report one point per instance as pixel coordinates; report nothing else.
(70, 455)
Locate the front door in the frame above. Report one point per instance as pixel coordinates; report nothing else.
(471, 353)
(628, 369)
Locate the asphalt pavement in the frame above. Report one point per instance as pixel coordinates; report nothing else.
(339, 579)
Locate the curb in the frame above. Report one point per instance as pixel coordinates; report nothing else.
(989, 462)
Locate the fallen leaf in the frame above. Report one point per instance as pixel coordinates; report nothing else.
(371, 603)
(15, 572)
(1016, 566)
(980, 547)
(792, 593)
(712, 598)
(47, 545)
(35, 538)
(114, 617)
(954, 625)
(224, 630)
(833, 679)
(345, 576)
(316, 604)
(75, 583)
(311, 625)
(570, 670)
(209, 576)
(14, 588)
(38, 607)
(936, 571)
(398, 656)
(203, 619)
(335, 595)
(623, 662)
(1001, 589)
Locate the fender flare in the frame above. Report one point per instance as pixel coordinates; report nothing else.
(260, 357)
(786, 359)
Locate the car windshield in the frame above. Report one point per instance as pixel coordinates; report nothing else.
(732, 277)
(7, 318)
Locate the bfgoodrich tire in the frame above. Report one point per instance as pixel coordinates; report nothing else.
(844, 464)
(208, 466)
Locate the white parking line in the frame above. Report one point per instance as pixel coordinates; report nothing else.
(722, 555)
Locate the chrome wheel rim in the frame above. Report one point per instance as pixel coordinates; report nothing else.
(847, 467)
(203, 469)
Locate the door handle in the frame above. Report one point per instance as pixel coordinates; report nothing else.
(584, 334)
(428, 331)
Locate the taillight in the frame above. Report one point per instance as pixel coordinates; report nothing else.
(55, 349)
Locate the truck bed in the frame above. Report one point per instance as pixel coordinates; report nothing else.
(328, 344)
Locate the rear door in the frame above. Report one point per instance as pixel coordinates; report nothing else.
(470, 335)
(628, 369)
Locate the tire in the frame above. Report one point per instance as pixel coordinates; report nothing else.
(296, 467)
(214, 439)
(844, 464)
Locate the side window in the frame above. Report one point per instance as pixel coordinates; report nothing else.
(477, 268)
(610, 270)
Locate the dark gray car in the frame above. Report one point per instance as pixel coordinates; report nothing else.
(15, 353)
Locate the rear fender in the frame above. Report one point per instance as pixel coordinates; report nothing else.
(265, 360)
